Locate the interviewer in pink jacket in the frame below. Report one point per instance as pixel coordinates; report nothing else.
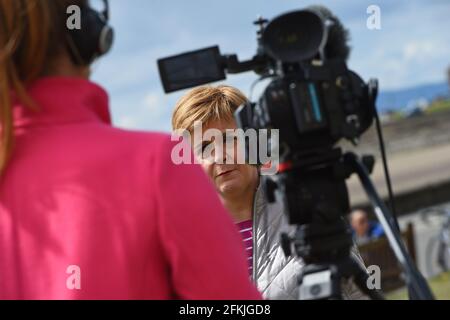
(88, 211)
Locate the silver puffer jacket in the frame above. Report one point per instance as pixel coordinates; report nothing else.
(276, 275)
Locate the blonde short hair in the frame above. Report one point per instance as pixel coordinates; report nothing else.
(206, 104)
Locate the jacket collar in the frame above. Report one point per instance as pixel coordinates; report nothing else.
(259, 201)
(62, 100)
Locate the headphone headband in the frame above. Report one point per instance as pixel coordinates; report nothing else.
(105, 11)
(94, 39)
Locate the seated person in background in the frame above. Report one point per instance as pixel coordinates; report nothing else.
(238, 186)
(364, 230)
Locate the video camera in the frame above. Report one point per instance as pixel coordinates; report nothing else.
(313, 97)
(315, 101)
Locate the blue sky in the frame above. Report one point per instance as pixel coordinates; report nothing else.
(412, 47)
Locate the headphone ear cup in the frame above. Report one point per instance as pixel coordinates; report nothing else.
(106, 40)
(94, 39)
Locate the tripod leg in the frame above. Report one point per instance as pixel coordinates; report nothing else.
(360, 277)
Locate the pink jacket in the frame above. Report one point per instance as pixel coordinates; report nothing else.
(88, 211)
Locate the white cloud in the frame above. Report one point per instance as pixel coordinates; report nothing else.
(127, 122)
(148, 111)
(152, 102)
(426, 51)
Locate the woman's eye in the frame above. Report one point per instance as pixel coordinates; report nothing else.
(204, 146)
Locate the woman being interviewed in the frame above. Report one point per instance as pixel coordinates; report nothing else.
(261, 224)
(88, 211)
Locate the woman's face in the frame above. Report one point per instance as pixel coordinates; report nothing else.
(229, 177)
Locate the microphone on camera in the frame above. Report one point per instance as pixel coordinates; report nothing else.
(337, 46)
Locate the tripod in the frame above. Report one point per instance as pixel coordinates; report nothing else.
(315, 196)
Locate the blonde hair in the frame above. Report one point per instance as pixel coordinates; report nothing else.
(206, 104)
(31, 35)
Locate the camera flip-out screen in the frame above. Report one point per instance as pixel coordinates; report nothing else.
(191, 69)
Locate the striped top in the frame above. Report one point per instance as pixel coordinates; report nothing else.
(246, 230)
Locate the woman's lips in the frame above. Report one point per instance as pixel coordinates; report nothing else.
(225, 173)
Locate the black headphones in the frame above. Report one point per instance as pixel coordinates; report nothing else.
(94, 38)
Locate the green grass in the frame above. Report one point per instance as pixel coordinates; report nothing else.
(396, 116)
(439, 285)
(439, 106)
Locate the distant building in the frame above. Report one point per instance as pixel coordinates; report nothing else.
(416, 107)
(448, 78)
(391, 116)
